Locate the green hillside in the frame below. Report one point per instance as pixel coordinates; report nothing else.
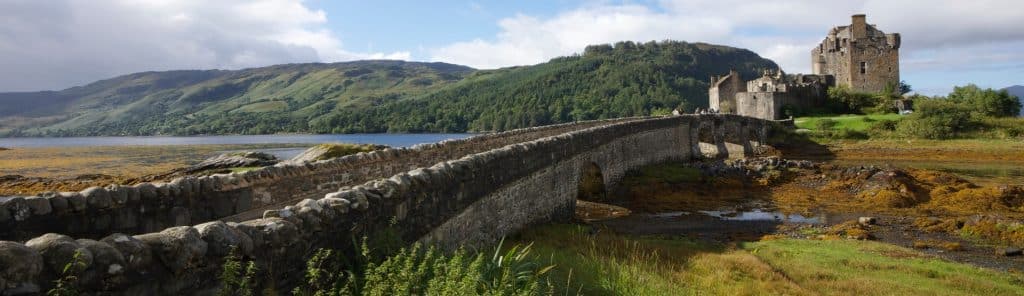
(606, 81)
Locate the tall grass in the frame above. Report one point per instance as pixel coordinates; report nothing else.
(415, 270)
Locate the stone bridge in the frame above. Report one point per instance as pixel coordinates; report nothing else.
(171, 238)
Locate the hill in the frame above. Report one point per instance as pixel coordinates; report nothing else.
(625, 79)
(1018, 91)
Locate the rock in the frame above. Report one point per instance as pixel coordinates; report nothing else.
(107, 263)
(329, 151)
(16, 208)
(134, 252)
(39, 205)
(234, 160)
(58, 250)
(221, 238)
(271, 236)
(96, 197)
(867, 220)
(118, 195)
(19, 266)
(179, 248)
(75, 200)
(58, 203)
(181, 215)
(1010, 251)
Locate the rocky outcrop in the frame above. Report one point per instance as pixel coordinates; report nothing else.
(233, 160)
(329, 151)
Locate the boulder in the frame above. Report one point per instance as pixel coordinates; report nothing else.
(867, 220)
(178, 248)
(135, 252)
(19, 266)
(234, 160)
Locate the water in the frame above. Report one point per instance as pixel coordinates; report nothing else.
(393, 140)
(752, 215)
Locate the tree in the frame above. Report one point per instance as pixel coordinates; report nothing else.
(985, 102)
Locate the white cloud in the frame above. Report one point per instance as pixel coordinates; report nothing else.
(56, 44)
(934, 33)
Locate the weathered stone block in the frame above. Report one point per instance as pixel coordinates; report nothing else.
(181, 216)
(39, 205)
(16, 207)
(107, 263)
(178, 248)
(19, 266)
(96, 198)
(135, 252)
(118, 195)
(221, 239)
(58, 250)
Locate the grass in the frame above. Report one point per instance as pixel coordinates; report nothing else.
(850, 122)
(612, 264)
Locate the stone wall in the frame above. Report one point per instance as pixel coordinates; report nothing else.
(464, 200)
(845, 48)
(722, 94)
(148, 207)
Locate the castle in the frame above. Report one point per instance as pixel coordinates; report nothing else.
(858, 56)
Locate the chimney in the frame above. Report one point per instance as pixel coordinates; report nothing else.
(859, 27)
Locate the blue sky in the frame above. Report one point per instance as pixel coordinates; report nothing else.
(58, 44)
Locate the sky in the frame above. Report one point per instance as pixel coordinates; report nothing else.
(55, 44)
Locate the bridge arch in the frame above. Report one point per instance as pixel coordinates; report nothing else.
(591, 185)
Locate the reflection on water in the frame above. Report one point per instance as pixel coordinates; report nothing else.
(982, 173)
(752, 215)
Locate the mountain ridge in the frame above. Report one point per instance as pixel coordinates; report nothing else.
(1018, 91)
(624, 79)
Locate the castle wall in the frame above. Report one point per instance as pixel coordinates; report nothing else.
(470, 200)
(845, 49)
(882, 66)
(722, 94)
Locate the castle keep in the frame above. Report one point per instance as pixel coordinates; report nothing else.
(858, 56)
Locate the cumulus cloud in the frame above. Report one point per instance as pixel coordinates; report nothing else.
(934, 33)
(60, 43)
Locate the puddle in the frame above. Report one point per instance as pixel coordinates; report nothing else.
(752, 215)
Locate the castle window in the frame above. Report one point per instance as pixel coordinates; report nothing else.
(864, 67)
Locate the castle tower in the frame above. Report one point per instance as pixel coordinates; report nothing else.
(859, 56)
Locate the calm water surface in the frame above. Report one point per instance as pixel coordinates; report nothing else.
(393, 140)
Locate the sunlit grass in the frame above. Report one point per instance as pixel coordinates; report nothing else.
(609, 264)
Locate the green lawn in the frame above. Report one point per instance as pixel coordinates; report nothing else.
(848, 121)
(610, 264)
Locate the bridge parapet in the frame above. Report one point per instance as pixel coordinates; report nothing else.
(468, 197)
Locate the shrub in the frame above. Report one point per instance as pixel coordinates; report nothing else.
(67, 284)
(426, 271)
(936, 119)
(843, 100)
